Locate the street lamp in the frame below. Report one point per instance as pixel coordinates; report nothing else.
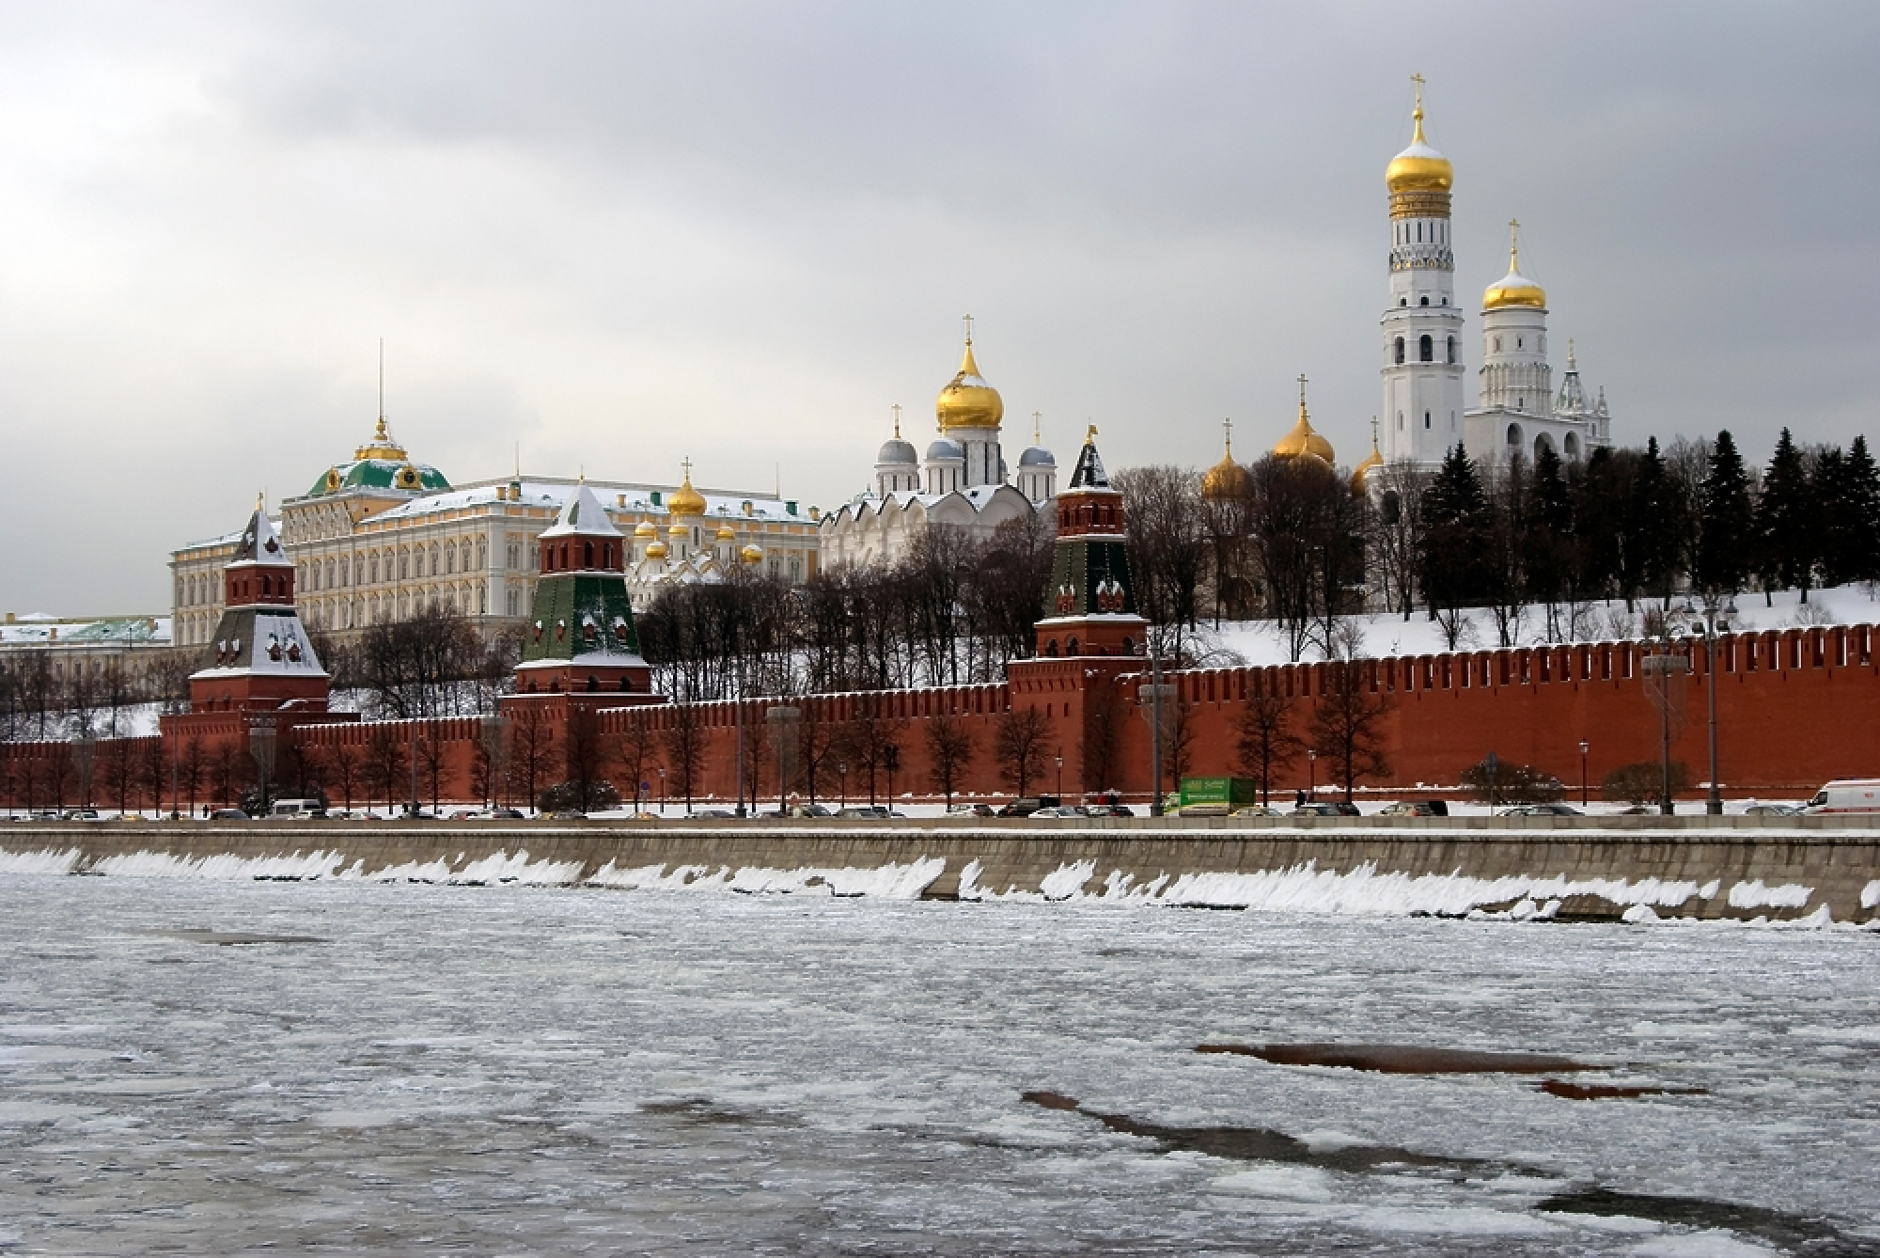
(1663, 665)
(842, 770)
(1312, 774)
(83, 746)
(262, 737)
(1710, 622)
(1152, 698)
(784, 719)
(662, 789)
(1060, 777)
(495, 725)
(1584, 748)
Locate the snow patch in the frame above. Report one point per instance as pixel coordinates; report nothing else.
(49, 861)
(888, 882)
(1870, 894)
(1754, 895)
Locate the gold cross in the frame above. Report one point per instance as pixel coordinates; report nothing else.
(687, 465)
(1036, 417)
(1302, 391)
(1514, 242)
(969, 329)
(897, 420)
(1227, 435)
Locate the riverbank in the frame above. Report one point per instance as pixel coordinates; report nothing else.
(1808, 869)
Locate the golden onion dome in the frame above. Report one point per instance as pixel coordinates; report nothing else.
(646, 529)
(726, 533)
(656, 551)
(1360, 476)
(1226, 479)
(685, 499)
(1419, 168)
(678, 530)
(1514, 288)
(1304, 438)
(968, 401)
(752, 554)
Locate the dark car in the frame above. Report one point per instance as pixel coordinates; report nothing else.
(1541, 810)
(1417, 808)
(228, 814)
(1321, 810)
(1026, 807)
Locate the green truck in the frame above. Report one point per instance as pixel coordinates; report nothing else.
(1223, 795)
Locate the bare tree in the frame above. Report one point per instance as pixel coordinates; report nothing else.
(386, 764)
(1264, 741)
(1168, 549)
(683, 740)
(1021, 741)
(1348, 724)
(637, 751)
(950, 748)
(343, 764)
(587, 754)
(531, 750)
(868, 734)
(433, 759)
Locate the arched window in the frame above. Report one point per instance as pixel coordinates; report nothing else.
(1423, 301)
(1572, 446)
(587, 554)
(1426, 348)
(1070, 648)
(1426, 421)
(1452, 349)
(1514, 435)
(1400, 349)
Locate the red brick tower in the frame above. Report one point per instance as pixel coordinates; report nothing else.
(260, 658)
(1091, 606)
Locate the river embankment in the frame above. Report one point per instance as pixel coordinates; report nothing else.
(1779, 869)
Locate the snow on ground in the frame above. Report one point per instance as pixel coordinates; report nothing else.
(1257, 643)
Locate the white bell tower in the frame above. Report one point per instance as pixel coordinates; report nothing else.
(1422, 326)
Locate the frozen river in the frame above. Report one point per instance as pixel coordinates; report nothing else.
(219, 1067)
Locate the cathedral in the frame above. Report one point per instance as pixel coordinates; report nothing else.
(1517, 411)
(961, 483)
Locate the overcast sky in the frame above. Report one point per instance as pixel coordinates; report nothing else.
(617, 235)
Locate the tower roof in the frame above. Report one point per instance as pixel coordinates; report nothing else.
(1514, 288)
(685, 500)
(1304, 438)
(1419, 168)
(1089, 473)
(260, 545)
(968, 401)
(1360, 476)
(582, 516)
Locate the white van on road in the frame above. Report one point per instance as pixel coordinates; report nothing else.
(1847, 795)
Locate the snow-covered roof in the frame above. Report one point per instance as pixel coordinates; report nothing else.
(275, 644)
(582, 516)
(260, 544)
(614, 499)
(41, 629)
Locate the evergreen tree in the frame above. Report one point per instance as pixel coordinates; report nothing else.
(1453, 568)
(1787, 521)
(1726, 537)
(1546, 542)
(1652, 527)
(1599, 520)
(1847, 492)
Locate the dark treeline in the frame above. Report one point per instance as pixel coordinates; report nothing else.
(952, 611)
(432, 664)
(1292, 544)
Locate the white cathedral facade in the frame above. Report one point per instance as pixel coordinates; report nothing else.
(1517, 413)
(961, 483)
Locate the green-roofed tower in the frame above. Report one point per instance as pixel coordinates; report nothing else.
(580, 637)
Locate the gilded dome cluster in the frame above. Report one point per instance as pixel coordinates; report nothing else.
(1304, 439)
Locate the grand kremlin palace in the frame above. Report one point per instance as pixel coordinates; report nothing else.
(381, 536)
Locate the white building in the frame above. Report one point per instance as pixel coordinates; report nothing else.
(1424, 413)
(961, 483)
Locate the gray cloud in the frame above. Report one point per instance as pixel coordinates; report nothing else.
(618, 235)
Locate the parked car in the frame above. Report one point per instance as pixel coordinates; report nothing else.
(228, 814)
(1061, 810)
(716, 814)
(1773, 810)
(1311, 809)
(80, 814)
(1029, 805)
(1257, 810)
(1847, 795)
(297, 809)
(1110, 810)
(1540, 810)
(972, 810)
(1416, 808)
(505, 814)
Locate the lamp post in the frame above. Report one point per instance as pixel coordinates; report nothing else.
(495, 726)
(1152, 697)
(783, 719)
(1584, 748)
(1710, 623)
(891, 760)
(1312, 773)
(662, 790)
(83, 745)
(262, 737)
(1662, 665)
(1060, 777)
(842, 771)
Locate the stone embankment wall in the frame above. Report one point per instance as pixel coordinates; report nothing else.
(1811, 869)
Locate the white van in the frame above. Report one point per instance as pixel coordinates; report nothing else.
(1847, 795)
(298, 808)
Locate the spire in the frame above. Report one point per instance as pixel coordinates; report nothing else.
(897, 421)
(1037, 418)
(1573, 363)
(1416, 114)
(1514, 245)
(1089, 473)
(1227, 437)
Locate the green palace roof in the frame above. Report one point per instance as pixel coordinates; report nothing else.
(380, 463)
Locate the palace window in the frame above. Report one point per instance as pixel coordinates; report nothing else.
(1426, 349)
(1400, 349)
